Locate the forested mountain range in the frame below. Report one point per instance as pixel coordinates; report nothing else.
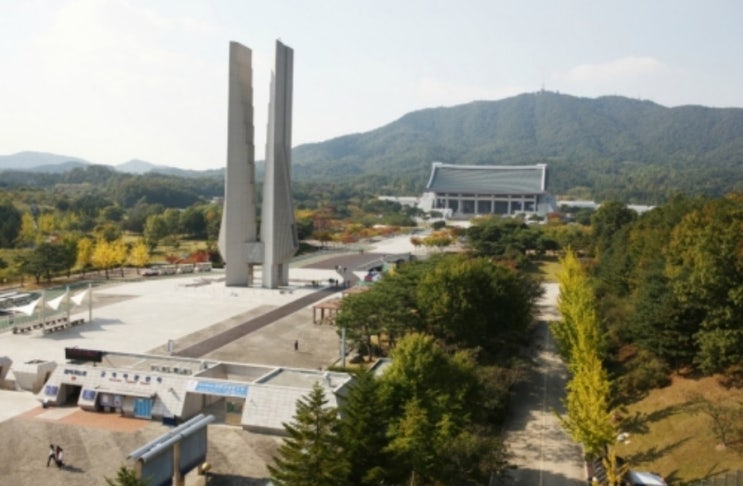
(614, 147)
(604, 148)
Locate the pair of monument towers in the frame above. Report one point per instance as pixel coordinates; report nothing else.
(241, 246)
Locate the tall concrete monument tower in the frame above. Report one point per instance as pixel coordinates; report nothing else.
(238, 228)
(278, 229)
(238, 242)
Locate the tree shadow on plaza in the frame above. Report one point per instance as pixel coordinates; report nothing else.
(532, 476)
(216, 479)
(98, 324)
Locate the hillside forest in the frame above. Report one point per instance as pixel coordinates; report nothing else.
(647, 297)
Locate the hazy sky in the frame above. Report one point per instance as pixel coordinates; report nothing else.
(113, 80)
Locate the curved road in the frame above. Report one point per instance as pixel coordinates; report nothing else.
(543, 453)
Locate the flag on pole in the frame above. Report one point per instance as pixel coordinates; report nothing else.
(79, 297)
(27, 309)
(54, 303)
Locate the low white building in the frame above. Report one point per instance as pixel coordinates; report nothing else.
(173, 389)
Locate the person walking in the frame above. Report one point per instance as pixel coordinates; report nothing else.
(51, 456)
(58, 458)
(296, 345)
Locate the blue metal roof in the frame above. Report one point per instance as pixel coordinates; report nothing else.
(487, 179)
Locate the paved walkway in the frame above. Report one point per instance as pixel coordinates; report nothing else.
(543, 453)
(213, 343)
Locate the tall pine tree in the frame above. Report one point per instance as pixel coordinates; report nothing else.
(312, 454)
(363, 430)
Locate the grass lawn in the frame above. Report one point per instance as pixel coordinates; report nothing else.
(546, 269)
(667, 436)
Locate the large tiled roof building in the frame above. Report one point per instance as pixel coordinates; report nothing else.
(463, 191)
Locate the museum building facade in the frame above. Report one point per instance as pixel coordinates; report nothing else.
(464, 191)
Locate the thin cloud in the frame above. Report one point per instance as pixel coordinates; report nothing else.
(436, 92)
(627, 68)
(634, 76)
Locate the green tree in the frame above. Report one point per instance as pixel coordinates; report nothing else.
(126, 477)
(606, 221)
(108, 231)
(659, 323)
(433, 398)
(193, 222)
(10, 224)
(496, 236)
(172, 218)
(312, 454)
(361, 316)
(476, 303)
(413, 444)
(389, 306)
(137, 215)
(705, 263)
(69, 259)
(363, 429)
(89, 204)
(44, 261)
(213, 217)
(155, 229)
(112, 214)
(473, 457)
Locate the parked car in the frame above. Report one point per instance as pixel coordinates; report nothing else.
(150, 272)
(641, 478)
(597, 475)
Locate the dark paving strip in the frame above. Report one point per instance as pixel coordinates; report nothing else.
(217, 341)
(356, 261)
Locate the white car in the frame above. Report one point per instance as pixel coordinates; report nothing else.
(639, 478)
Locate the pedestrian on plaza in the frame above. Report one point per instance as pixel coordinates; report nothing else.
(51, 456)
(58, 458)
(296, 345)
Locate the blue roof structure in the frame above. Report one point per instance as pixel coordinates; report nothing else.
(487, 179)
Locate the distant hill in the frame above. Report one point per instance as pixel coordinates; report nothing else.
(40, 161)
(136, 166)
(56, 164)
(608, 147)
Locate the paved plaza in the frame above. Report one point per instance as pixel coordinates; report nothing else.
(141, 317)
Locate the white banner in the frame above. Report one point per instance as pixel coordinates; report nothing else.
(78, 298)
(54, 303)
(27, 309)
